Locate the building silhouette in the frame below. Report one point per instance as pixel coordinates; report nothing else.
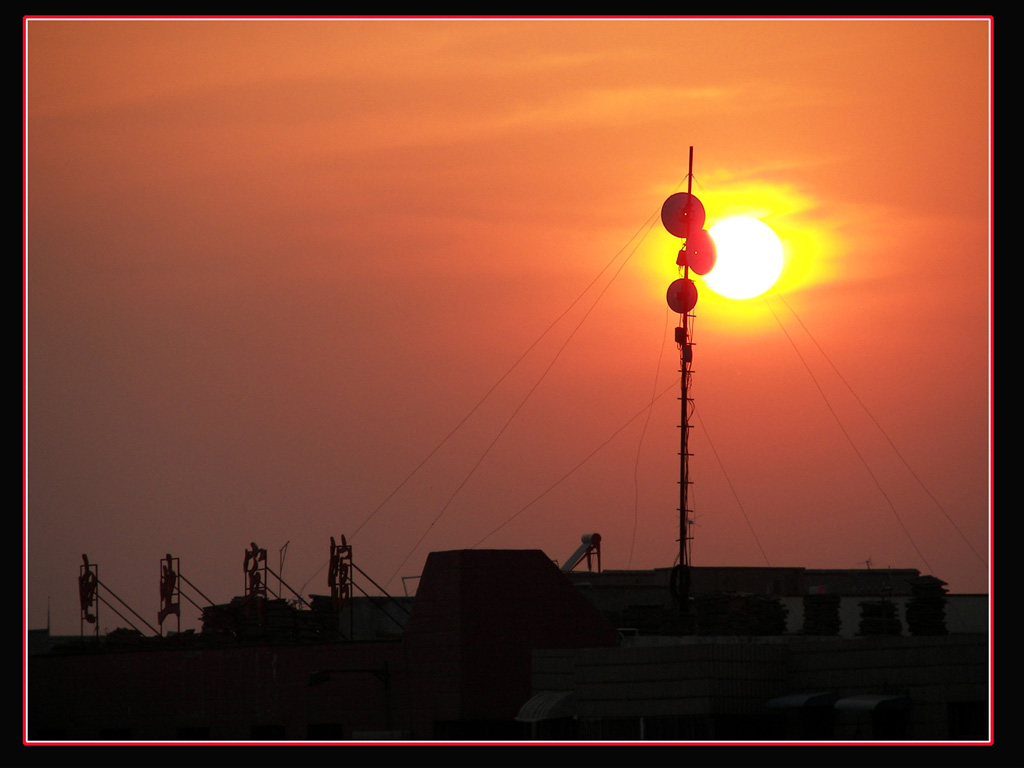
(502, 645)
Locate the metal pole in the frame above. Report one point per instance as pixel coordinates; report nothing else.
(682, 298)
(684, 468)
(684, 429)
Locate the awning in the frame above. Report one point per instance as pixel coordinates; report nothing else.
(548, 705)
(795, 700)
(873, 701)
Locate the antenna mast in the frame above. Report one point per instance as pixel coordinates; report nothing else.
(684, 339)
(683, 216)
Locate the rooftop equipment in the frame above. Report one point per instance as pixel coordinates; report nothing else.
(590, 548)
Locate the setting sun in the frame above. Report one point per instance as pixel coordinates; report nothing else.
(749, 258)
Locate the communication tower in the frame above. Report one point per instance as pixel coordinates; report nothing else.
(682, 214)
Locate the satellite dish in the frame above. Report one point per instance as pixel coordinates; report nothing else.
(699, 254)
(682, 213)
(682, 295)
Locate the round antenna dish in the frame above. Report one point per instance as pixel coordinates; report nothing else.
(699, 254)
(682, 295)
(682, 213)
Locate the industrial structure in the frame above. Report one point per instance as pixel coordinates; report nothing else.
(505, 645)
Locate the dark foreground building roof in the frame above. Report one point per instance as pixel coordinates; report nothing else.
(460, 670)
(500, 645)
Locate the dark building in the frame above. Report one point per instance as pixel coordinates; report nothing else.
(461, 669)
(501, 644)
(757, 688)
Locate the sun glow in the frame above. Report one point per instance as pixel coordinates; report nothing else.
(749, 258)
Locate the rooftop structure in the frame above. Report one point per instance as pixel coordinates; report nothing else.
(501, 644)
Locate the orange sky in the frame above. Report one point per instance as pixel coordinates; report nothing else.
(272, 264)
